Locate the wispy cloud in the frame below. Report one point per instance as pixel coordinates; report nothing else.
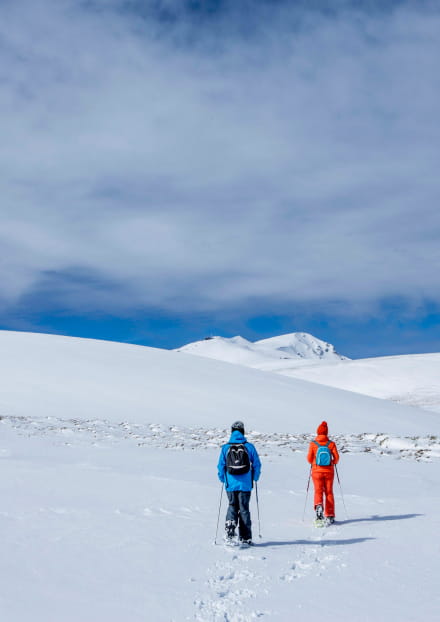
(181, 165)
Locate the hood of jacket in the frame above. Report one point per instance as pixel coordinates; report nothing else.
(237, 437)
(322, 439)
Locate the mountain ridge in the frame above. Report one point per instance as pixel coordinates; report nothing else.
(282, 351)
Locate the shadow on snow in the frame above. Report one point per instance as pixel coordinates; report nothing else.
(314, 542)
(377, 517)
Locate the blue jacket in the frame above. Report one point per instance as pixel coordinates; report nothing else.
(239, 482)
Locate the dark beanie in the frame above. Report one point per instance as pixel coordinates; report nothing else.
(238, 425)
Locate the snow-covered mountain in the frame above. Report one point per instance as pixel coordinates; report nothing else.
(303, 346)
(110, 503)
(69, 378)
(284, 351)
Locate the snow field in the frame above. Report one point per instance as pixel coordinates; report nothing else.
(86, 380)
(107, 527)
(413, 379)
(109, 495)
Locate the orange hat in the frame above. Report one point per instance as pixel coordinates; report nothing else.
(323, 428)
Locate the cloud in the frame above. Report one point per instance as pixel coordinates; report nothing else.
(196, 165)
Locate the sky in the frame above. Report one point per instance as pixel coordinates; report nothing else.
(172, 170)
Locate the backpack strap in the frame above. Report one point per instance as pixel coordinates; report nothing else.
(326, 445)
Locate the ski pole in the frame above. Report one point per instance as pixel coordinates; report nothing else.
(258, 509)
(218, 517)
(307, 494)
(342, 494)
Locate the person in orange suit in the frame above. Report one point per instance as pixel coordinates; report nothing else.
(323, 455)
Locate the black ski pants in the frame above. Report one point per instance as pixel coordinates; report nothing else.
(238, 511)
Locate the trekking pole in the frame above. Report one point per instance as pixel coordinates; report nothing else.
(258, 509)
(307, 494)
(342, 494)
(218, 517)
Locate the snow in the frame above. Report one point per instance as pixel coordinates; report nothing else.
(284, 351)
(413, 380)
(109, 496)
(409, 379)
(84, 379)
(303, 345)
(234, 350)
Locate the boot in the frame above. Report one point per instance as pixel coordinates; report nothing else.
(230, 529)
(319, 512)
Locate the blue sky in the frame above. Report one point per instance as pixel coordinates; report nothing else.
(172, 170)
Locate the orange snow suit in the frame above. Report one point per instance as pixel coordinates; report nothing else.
(323, 475)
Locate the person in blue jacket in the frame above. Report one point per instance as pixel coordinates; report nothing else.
(238, 486)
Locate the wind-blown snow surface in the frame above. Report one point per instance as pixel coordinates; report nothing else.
(284, 351)
(412, 379)
(109, 496)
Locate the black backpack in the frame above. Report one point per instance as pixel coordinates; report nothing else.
(237, 459)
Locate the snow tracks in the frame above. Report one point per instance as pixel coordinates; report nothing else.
(231, 587)
(255, 583)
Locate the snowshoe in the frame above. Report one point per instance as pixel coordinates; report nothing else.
(231, 542)
(329, 520)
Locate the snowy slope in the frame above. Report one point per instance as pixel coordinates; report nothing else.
(291, 350)
(78, 378)
(232, 350)
(109, 498)
(412, 379)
